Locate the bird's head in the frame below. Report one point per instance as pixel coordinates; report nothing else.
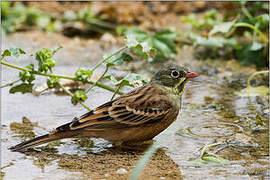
(174, 77)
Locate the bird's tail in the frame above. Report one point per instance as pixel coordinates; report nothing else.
(60, 133)
(33, 142)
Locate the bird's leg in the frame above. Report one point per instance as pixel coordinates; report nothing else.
(137, 146)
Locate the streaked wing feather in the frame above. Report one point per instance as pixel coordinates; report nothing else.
(125, 111)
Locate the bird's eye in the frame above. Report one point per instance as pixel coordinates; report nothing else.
(175, 74)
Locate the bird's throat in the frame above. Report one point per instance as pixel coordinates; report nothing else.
(179, 87)
(178, 91)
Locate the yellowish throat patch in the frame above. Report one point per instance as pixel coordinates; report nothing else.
(175, 88)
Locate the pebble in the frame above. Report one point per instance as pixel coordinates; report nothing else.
(121, 171)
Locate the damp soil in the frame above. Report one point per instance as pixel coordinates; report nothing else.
(111, 164)
(211, 113)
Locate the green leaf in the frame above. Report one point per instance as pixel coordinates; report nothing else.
(133, 80)
(86, 15)
(213, 42)
(83, 75)
(23, 88)
(263, 20)
(5, 53)
(131, 41)
(118, 59)
(144, 50)
(112, 79)
(254, 91)
(134, 36)
(211, 14)
(43, 21)
(26, 76)
(44, 58)
(53, 82)
(248, 56)
(256, 46)
(147, 46)
(164, 45)
(14, 52)
(32, 14)
(31, 67)
(191, 19)
(214, 159)
(78, 96)
(13, 17)
(209, 19)
(56, 50)
(222, 28)
(208, 159)
(120, 30)
(148, 50)
(5, 5)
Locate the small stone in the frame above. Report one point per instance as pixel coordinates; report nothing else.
(107, 37)
(162, 178)
(121, 171)
(107, 175)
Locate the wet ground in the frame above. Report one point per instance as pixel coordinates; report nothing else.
(211, 113)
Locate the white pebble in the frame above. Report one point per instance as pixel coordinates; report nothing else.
(121, 171)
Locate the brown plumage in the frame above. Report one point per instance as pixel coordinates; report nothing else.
(134, 117)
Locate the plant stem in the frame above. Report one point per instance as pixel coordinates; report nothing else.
(101, 85)
(254, 32)
(253, 75)
(246, 12)
(10, 84)
(36, 72)
(105, 59)
(106, 70)
(264, 38)
(65, 90)
(143, 161)
(116, 91)
(85, 106)
(208, 146)
(70, 94)
(42, 91)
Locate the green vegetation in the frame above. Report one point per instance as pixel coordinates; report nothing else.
(45, 64)
(209, 20)
(254, 91)
(162, 41)
(21, 17)
(242, 35)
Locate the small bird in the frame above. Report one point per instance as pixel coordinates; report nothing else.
(134, 117)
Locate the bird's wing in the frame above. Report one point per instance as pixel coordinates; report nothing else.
(142, 106)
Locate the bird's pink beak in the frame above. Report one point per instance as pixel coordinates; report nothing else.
(191, 75)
